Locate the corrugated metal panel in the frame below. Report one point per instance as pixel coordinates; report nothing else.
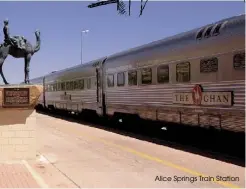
(79, 99)
(161, 95)
(155, 102)
(189, 119)
(233, 123)
(210, 120)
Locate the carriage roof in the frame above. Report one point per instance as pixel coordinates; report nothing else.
(188, 36)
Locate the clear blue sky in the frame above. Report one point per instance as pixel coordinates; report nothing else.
(60, 24)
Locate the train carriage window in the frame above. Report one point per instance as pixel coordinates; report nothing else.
(121, 79)
(68, 86)
(63, 86)
(132, 78)
(48, 87)
(239, 61)
(51, 87)
(94, 81)
(209, 65)
(110, 80)
(81, 84)
(146, 75)
(88, 83)
(163, 74)
(183, 72)
(75, 85)
(71, 85)
(59, 86)
(55, 87)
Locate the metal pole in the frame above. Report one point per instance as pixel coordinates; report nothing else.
(84, 31)
(81, 48)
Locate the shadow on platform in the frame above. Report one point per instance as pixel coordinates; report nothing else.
(12, 116)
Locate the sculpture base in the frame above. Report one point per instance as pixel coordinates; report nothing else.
(18, 122)
(17, 134)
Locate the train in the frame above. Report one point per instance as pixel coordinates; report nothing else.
(195, 78)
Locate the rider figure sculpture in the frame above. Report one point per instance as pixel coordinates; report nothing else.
(6, 31)
(20, 41)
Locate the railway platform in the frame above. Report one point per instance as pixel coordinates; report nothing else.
(75, 155)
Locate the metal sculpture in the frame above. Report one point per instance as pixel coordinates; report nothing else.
(18, 47)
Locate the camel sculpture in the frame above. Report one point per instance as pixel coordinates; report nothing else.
(27, 52)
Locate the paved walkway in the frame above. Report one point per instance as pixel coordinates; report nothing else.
(16, 175)
(73, 155)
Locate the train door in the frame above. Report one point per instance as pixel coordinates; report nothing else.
(99, 88)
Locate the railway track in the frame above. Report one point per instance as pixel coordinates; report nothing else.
(223, 146)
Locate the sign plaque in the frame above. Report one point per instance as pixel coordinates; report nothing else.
(16, 97)
(200, 98)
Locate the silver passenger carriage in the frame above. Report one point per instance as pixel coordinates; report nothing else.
(74, 89)
(195, 78)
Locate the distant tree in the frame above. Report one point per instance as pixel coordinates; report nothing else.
(121, 7)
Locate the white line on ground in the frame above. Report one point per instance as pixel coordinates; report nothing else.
(35, 175)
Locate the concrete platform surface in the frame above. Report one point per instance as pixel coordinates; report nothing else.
(73, 155)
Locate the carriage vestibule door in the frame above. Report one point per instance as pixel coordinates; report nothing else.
(99, 88)
(98, 85)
